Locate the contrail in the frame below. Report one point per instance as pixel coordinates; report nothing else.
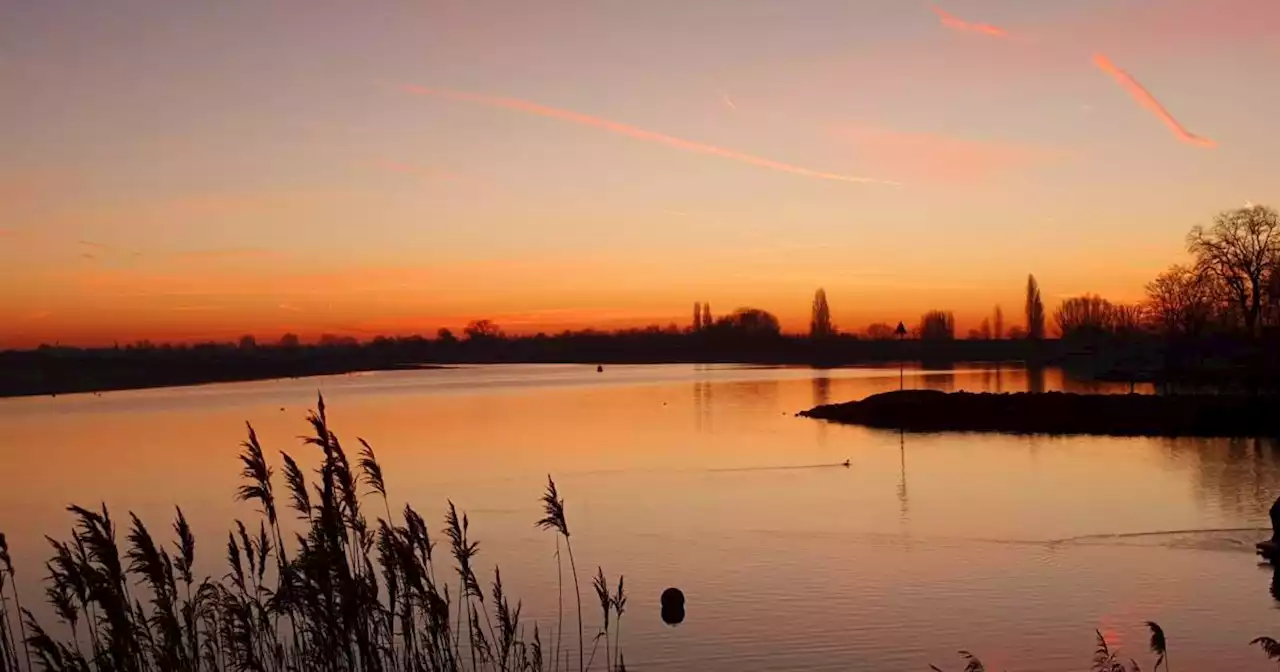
(1145, 99)
(957, 23)
(636, 132)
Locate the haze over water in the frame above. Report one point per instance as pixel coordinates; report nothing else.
(701, 477)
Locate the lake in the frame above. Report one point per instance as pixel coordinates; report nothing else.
(700, 476)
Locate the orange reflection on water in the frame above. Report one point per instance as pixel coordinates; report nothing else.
(702, 477)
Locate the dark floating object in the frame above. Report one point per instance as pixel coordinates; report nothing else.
(599, 369)
(672, 606)
(1062, 413)
(846, 463)
(1270, 549)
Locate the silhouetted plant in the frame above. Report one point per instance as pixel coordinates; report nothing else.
(357, 597)
(880, 331)
(1240, 250)
(1269, 646)
(820, 322)
(1034, 310)
(1084, 316)
(972, 664)
(937, 325)
(553, 506)
(1180, 301)
(1158, 645)
(748, 322)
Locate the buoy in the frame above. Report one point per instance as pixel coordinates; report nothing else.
(672, 606)
(599, 369)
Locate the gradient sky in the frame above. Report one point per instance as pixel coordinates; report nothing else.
(190, 170)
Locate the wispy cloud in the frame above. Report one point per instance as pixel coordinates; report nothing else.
(88, 256)
(637, 133)
(728, 102)
(1144, 98)
(289, 308)
(955, 23)
(96, 246)
(675, 213)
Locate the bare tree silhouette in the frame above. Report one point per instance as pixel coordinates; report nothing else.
(1035, 310)
(697, 317)
(998, 324)
(1084, 316)
(880, 332)
(1241, 250)
(1180, 302)
(749, 322)
(706, 315)
(938, 325)
(820, 323)
(481, 330)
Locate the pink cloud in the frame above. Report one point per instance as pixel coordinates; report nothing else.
(956, 23)
(1144, 98)
(931, 157)
(637, 133)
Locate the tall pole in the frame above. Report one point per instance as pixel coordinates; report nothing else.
(900, 332)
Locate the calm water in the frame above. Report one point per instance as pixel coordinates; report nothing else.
(1016, 548)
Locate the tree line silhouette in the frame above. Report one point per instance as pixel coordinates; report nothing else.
(1214, 316)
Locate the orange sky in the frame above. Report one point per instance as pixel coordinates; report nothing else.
(188, 172)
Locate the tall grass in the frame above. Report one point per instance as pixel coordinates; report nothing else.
(1108, 659)
(346, 594)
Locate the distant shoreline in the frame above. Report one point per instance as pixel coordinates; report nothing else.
(1192, 415)
(62, 370)
(126, 386)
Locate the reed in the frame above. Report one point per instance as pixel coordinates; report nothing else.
(343, 595)
(554, 520)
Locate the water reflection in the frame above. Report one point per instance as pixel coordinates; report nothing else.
(1035, 379)
(702, 405)
(939, 377)
(821, 389)
(821, 397)
(902, 477)
(780, 574)
(1240, 475)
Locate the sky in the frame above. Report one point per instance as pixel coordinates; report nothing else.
(182, 170)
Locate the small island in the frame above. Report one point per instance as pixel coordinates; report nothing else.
(1206, 415)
